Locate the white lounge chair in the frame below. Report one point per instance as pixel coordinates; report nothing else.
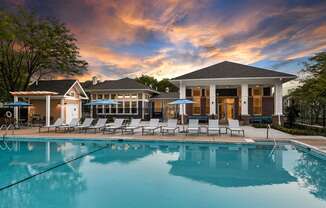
(193, 126)
(213, 126)
(153, 125)
(73, 123)
(100, 124)
(172, 126)
(87, 123)
(234, 126)
(117, 124)
(134, 124)
(57, 123)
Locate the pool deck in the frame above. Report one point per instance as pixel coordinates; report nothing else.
(252, 135)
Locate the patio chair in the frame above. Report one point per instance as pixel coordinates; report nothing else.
(213, 126)
(117, 124)
(153, 125)
(172, 126)
(100, 124)
(57, 123)
(134, 124)
(73, 123)
(193, 126)
(87, 123)
(234, 126)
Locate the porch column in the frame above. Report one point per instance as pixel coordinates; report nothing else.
(244, 99)
(212, 99)
(278, 99)
(16, 110)
(182, 91)
(143, 106)
(80, 109)
(62, 109)
(47, 109)
(244, 158)
(48, 151)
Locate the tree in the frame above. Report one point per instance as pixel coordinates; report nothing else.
(32, 48)
(155, 84)
(148, 81)
(312, 92)
(165, 83)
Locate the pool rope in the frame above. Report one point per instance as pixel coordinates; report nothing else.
(53, 167)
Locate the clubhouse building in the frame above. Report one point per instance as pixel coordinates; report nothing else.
(225, 90)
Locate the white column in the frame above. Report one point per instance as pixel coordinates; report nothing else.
(80, 109)
(47, 109)
(62, 110)
(182, 92)
(143, 106)
(212, 99)
(16, 110)
(278, 99)
(244, 99)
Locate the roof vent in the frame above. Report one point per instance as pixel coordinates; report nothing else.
(167, 90)
(94, 80)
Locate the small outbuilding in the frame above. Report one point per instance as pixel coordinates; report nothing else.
(52, 99)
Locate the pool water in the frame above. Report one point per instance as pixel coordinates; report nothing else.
(52, 173)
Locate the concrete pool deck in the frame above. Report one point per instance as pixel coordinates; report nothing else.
(252, 135)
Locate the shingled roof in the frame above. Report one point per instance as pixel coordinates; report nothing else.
(120, 84)
(228, 69)
(58, 86)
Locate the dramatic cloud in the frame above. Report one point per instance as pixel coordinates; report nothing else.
(166, 38)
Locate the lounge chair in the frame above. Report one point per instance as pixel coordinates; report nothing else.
(193, 126)
(134, 124)
(87, 123)
(73, 123)
(235, 127)
(57, 123)
(100, 124)
(153, 125)
(213, 126)
(172, 126)
(117, 124)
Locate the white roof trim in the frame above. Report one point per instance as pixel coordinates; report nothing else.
(233, 78)
(82, 90)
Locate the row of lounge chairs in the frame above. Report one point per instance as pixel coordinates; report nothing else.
(154, 125)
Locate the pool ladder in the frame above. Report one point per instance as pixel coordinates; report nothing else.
(267, 137)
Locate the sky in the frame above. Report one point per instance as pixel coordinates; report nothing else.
(168, 38)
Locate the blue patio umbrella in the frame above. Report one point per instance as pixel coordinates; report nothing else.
(17, 104)
(102, 102)
(181, 102)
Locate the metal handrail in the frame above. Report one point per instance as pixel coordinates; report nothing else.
(8, 128)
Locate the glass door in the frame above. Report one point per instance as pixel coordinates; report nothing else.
(226, 108)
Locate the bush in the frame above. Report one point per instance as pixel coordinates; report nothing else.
(302, 130)
(257, 125)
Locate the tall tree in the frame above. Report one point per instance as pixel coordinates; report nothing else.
(312, 92)
(148, 81)
(157, 85)
(32, 48)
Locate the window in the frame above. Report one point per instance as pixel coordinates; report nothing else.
(120, 96)
(106, 96)
(120, 107)
(267, 91)
(127, 106)
(134, 96)
(188, 93)
(114, 109)
(72, 94)
(140, 96)
(158, 106)
(257, 100)
(196, 92)
(250, 91)
(99, 96)
(134, 107)
(94, 96)
(113, 96)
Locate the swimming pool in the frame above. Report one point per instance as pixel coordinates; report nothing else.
(65, 173)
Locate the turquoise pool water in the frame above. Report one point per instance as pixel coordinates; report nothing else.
(51, 173)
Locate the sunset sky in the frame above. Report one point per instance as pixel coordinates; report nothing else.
(167, 38)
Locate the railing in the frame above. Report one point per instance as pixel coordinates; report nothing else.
(267, 137)
(7, 128)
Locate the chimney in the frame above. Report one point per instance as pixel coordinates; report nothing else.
(94, 80)
(167, 90)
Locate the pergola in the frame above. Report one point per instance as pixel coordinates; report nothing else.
(46, 94)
